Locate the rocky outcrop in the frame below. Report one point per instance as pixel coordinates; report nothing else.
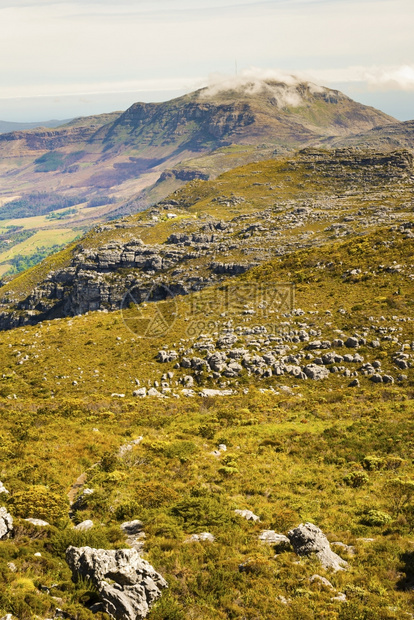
(127, 585)
(308, 539)
(6, 524)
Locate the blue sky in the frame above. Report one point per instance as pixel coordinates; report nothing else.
(62, 58)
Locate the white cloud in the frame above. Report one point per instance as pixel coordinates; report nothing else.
(96, 88)
(375, 77)
(281, 85)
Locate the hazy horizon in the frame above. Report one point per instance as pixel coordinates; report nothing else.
(66, 58)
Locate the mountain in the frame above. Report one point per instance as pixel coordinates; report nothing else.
(7, 126)
(129, 151)
(210, 230)
(219, 391)
(385, 138)
(114, 164)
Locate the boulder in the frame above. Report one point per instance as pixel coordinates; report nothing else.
(308, 539)
(142, 392)
(6, 524)
(127, 585)
(321, 581)
(3, 488)
(351, 342)
(201, 537)
(316, 372)
(84, 526)
(247, 514)
(131, 528)
(279, 541)
(209, 393)
(38, 522)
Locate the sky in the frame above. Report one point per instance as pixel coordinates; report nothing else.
(61, 59)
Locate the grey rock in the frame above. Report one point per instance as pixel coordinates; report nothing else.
(38, 522)
(204, 536)
(308, 539)
(247, 514)
(376, 378)
(351, 342)
(387, 379)
(141, 392)
(6, 524)
(279, 541)
(316, 372)
(84, 526)
(354, 383)
(132, 528)
(3, 488)
(321, 580)
(127, 585)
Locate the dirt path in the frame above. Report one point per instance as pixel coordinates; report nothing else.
(76, 486)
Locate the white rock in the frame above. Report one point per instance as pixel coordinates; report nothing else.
(155, 392)
(6, 523)
(308, 539)
(141, 392)
(201, 537)
(209, 393)
(38, 522)
(279, 541)
(127, 585)
(3, 488)
(84, 526)
(247, 514)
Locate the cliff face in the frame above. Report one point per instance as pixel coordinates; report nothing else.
(126, 153)
(49, 140)
(201, 251)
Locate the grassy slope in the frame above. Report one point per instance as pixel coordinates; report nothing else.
(289, 454)
(259, 185)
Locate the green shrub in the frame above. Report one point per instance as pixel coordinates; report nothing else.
(127, 510)
(109, 462)
(198, 513)
(373, 463)
(356, 479)
(376, 518)
(62, 539)
(40, 503)
(152, 494)
(181, 449)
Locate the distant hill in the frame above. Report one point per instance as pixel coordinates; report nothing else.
(113, 164)
(7, 127)
(386, 138)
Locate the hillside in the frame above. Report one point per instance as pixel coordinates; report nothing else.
(186, 463)
(7, 126)
(210, 230)
(114, 152)
(387, 138)
(115, 164)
